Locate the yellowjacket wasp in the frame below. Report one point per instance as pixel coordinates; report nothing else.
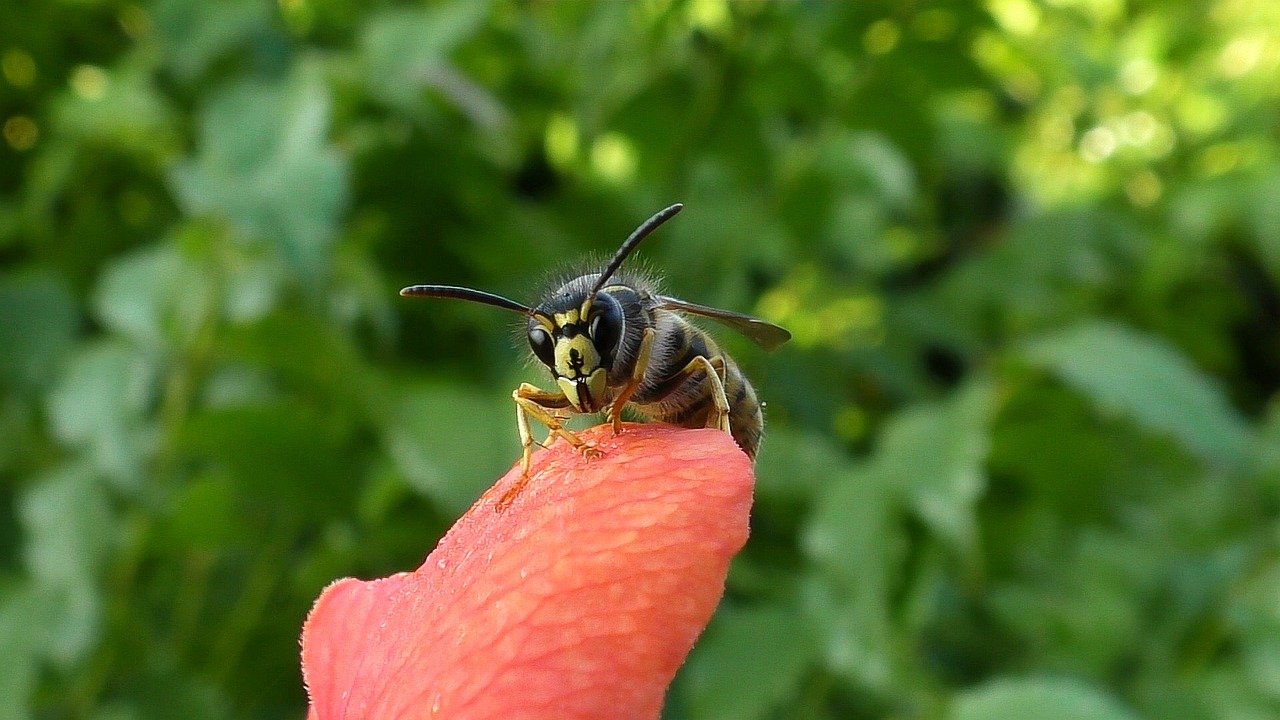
(615, 342)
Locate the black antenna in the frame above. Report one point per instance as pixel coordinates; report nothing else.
(461, 293)
(631, 242)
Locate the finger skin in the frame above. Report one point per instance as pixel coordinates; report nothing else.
(579, 600)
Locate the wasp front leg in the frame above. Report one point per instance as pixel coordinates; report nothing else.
(637, 376)
(543, 406)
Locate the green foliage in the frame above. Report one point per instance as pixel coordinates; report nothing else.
(1024, 451)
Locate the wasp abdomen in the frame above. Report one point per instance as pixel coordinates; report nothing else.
(670, 393)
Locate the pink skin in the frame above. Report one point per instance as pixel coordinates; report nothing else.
(579, 600)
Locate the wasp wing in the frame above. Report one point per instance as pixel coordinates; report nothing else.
(765, 334)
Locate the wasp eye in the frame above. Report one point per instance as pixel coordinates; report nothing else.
(542, 346)
(605, 328)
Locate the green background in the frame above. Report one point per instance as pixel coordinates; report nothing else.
(1024, 450)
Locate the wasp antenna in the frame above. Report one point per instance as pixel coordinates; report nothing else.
(640, 233)
(461, 293)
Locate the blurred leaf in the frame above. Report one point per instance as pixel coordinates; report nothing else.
(1255, 618)
(69, 534)
(121, 109)
(162, 691)
(21, 630)
(795, 464)
(864, 161)
(156, 296)
(284, 455)
(1088, 614)
(405, 50)
(99, 404)
(38, 320)
(451, 442)
(1047, 268)
(749, 662)
(265, 167)
(933, 453)
(195, 33)
(1129, 373)
(1266, 217)
(936, 454)
(1037, 699)
(297, 350)
(857, 539)
(204, 517)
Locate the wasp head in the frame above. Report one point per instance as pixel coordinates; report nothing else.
(577, 335)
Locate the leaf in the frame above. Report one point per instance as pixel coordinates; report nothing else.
(127, 113)
(933, 453)
(69, 534)
(155, 295)
(266, 168)
(856, 538)
(38, 320)
(203, 517)
(929, 461)
(21, 637)
(451, 442)
(280, 452)
(1254, 617)
(402, 48)
(196, 33)
(749, 662)
(100, 404)
(794, 464)
(1037, 699)
(1139, 376)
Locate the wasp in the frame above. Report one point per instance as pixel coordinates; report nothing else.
(614, 342)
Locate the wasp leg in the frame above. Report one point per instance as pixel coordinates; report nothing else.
(719, 418)
(637, 375)
(714, 369)
(543, 406)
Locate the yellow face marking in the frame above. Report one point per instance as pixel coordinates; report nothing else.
(546, 323)
(569, 317)
(576, 357)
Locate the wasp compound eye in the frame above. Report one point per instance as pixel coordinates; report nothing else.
(542, 346)
(606, 328)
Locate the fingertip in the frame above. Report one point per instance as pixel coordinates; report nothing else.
(580, 599)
